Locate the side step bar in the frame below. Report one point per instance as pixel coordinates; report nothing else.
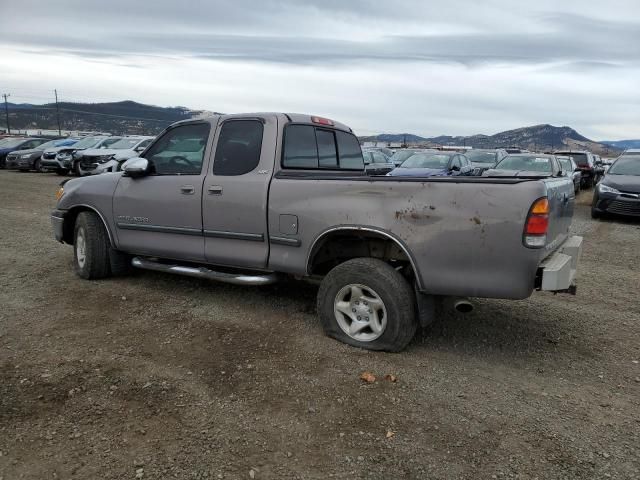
(202, 272)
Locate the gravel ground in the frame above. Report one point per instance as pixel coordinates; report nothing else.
(154, 376)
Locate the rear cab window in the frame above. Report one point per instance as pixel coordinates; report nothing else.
(311, 147)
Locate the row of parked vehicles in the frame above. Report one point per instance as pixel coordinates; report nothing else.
(89, 155)
(584, 168)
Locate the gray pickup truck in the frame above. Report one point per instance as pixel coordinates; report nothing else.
(249, 199)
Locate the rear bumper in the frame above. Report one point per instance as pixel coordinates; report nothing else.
(558, 271)
(57, 222)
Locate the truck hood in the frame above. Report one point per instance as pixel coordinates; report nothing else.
(83, 190)
(419, 172)
(624, 183)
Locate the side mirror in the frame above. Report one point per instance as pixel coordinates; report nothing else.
(577, 169)
(136, 167)
(455, 168)
(139, 149)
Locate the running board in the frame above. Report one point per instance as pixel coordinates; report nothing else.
(202, 272)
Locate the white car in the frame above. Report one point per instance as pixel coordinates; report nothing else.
(70, 157)
(96, 161)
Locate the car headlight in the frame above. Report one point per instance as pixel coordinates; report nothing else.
(607, 189)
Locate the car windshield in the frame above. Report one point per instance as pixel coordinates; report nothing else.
(529, 163)
(87, 142)
(402, 155)
(580, 158)
(427, 160)
(482, 157)
(627, 165)
(12, 142)
(49, 144)
(125, 143)
(109, 142)
(566, 164)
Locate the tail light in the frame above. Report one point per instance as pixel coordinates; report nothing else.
(537, 224)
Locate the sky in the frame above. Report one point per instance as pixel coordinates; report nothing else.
(429, 68)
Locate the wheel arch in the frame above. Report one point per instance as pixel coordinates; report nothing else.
(70, 222)
(364, 234)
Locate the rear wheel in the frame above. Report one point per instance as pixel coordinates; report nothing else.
(366, 303)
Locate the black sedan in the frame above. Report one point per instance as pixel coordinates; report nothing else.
(619, 190)
(8, 145)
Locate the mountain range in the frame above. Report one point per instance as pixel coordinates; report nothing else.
(537, 138)
(126, 117)
(129, 117)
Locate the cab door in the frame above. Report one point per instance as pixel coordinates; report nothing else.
(236, 189)
(160, 214)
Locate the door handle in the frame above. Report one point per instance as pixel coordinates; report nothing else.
(187, 190)
(214, 190)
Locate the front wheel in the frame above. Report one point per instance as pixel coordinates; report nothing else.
(90, 247)
(366, 303)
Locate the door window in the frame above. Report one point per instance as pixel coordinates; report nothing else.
(180, 151)
(349, 151)
(239, 147)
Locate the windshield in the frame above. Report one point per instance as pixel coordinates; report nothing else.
(427, 160)
(402, 155)
(108, 142)
(580, 159)
(627, 165)
(530, 163)
(12, 142)
(565, 163)
(87, 142)
(125, 143)
(482, 157)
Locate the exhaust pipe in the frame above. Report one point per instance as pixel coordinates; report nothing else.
(463, 305)
(202, 272)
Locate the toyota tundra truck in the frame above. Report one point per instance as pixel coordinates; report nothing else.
(254, 198)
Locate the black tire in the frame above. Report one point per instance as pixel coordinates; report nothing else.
(94, 263)
(36, 165)
(76, 169)
(595, 214)
(62, 171)
(392, 288)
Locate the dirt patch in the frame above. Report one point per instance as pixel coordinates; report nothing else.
(180, 378)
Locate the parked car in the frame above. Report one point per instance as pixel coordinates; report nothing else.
(260, 199)
(98, 161)
(591, 173)
(485, 158)
(619, 191)
(387, 151)
(527, 165)
(402, 154)
(9, 145)
(376, 162)
(571, 170)
(25, 160)
(434, 164)
(69, 158)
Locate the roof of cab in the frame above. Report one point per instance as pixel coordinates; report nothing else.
(291, 117)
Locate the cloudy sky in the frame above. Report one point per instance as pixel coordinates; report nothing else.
(437, 67)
